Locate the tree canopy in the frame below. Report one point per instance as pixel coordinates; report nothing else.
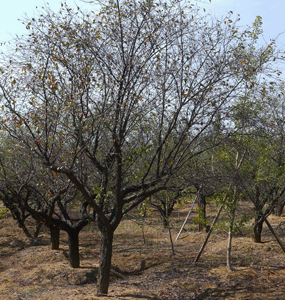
(116, 102)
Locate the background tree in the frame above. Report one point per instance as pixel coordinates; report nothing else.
(29, 189)
(264, 139)
(164, 203)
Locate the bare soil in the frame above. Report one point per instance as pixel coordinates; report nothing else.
(145, 270)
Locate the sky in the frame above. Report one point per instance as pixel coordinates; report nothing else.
(12, 10)
(271, 11)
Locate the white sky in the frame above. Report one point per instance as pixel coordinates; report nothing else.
(272, 12)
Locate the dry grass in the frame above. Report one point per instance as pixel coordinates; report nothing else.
(36, 272)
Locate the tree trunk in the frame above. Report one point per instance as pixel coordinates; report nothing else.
(171, 241)
(144, 241)
(202, 211)
(16, 214)
(54, 237)
(278, 210)
(105, 261)
(165, 222)
(229, 265)
(257, 229)
(37, 229)
(231, 227)
(73, 243)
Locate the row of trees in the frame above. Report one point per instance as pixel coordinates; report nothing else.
(102, 110)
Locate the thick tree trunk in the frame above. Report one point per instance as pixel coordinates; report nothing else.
(105, 262)
(73, 243)
(54, 237)
(257, 229)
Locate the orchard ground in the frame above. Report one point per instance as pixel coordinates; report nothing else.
(146, 270)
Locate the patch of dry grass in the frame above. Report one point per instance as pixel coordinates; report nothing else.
(143, 271)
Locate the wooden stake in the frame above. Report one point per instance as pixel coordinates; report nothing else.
(187, 216)
(209, 233)
(273, 232)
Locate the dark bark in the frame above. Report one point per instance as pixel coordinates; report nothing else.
(54, 237)
(17, 216)
(202, 210)
(231, 227)
(257, 229)
(105, 261)
(144, 241)
(73, 243)
(37, 229)
(165, 222)
(171, 241)
(230, 237)
(72, 231)
(278, 210)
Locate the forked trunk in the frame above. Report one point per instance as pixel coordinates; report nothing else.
(105, 262)
(73, 243)
(54, 237)
(16, 214)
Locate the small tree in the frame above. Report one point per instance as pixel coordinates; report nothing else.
(164, 203)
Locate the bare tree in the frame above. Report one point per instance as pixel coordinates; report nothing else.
(117, 102)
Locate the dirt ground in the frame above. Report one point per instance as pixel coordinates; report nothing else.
(145, 270)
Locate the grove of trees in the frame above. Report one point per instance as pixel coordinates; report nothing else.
(103, 109)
